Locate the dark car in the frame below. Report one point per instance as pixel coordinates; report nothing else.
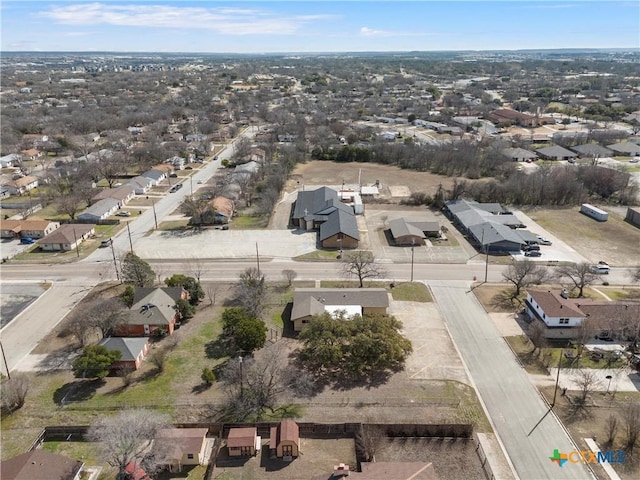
(106, 243)
(533, 253)
(531, 248)
(27, 241)
(176, 187)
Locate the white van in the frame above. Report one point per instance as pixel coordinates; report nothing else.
(601, 269)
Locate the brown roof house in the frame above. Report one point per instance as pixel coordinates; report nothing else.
(561, 314)
(67, 237)
(243, 442)
(177, 447)
(223, 210)
(308, 302)
(284, 440)
(32, 227)
(40, 465)
(147, 316)
(21, 185)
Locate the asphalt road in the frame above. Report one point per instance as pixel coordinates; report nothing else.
(510, 399)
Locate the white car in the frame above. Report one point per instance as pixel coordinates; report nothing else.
(543, 241)
(634, 160)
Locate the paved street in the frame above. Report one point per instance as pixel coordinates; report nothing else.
(510, 398)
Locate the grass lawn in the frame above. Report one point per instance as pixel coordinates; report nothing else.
(622, 245)
(351, 284)
(249, 222)
(617, 293)
(411, 292)
(318, 256)
(172, 225)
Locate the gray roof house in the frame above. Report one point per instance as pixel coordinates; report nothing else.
(625, 148)
(489, 226)
(556, 152)
(592, 150)
(308, 302)
(99, 211)
(132, 350)
(406, 232)
(155, 175)
(322, 209)
(140, 184)
(519, 154)
(155, 310)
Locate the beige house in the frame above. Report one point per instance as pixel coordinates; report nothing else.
(181, 446)
(67, 237)
(243, 442)
(32, 227)
(284, 439)
(308, 302)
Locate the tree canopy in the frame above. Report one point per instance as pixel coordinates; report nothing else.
(359, 346)
(247, 333)
(95, 362)
(190, 284)
(136, 271)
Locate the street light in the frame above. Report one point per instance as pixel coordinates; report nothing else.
(608, 377)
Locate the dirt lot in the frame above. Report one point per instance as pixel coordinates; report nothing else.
(614, 241)
(319, 173)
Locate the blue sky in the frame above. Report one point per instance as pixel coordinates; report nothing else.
(316, 26)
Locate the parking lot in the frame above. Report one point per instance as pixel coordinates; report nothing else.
(9, 248)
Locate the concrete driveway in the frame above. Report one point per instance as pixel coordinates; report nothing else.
(226, 244)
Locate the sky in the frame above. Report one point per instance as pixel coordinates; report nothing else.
(240, 26)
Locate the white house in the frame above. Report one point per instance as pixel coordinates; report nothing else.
(156, 176)
(67, 237)
(99, 211)
(10, 160)
(555, 309)
(140, 184)
(21, 185)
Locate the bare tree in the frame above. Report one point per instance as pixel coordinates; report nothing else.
(126, 437)
(289, 276)
(14, 392)
(579, 274)
(586, 381)
(361, 264)
(159, 358)
(631, 426)
(536, 332)
(212, 290)
(634, 273)
(69, 204)
(250, 292)
(79, 327)
(105, 314)
(524, 273)
(196, 267)
(611, 429)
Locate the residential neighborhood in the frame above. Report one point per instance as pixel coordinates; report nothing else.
(410, 265)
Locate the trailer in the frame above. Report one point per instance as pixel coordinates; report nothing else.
(594, 212)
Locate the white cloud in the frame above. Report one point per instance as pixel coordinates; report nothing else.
(229, 21)
(370, 32)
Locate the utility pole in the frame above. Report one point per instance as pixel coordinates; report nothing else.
(115, 263)
(155, 218)
(6, 365)
(75, 239)
(258, 258)
(130, 242)
(241, 378)
(413, 244)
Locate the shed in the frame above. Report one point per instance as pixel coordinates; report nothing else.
(242, 442)
(284, 439)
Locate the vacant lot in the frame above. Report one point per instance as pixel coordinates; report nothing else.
(614, 241)
(318, 173)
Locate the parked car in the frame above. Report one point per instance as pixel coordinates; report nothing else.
(601, 269)
(123, 213)
(27, 241)
(530, 248)
(173, 175)
(533, 253)
(106, 243)
(216, 157)
(634, 160)
(176, 187)
(543, 241)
